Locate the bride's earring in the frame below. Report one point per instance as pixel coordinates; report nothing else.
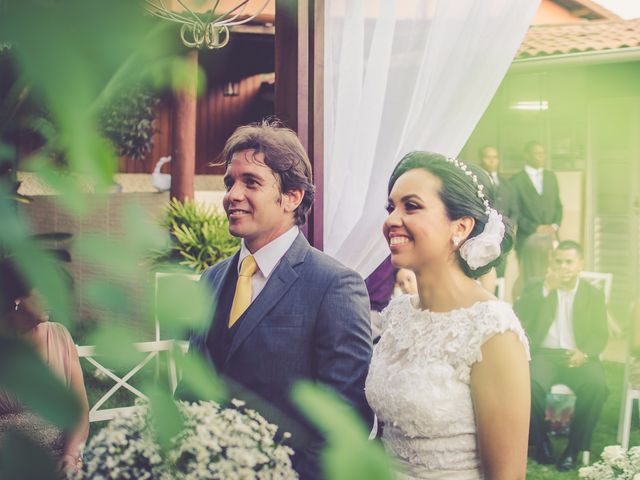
(456, 241)
(16, 305)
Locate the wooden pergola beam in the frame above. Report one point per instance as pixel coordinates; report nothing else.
(299, 93)
(183, 163)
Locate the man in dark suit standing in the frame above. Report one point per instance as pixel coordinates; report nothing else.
(506, 201)
(284, 311)
(566, 321)
(538, 197)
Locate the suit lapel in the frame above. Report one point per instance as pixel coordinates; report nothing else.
(549, 316)
(579, 306)
(227, 275)
(532, 193)
(278, 284)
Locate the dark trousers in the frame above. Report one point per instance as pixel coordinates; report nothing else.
(549, 367)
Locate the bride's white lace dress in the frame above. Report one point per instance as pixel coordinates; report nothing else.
(418, 384)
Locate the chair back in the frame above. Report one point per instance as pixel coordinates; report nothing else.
(603, 281)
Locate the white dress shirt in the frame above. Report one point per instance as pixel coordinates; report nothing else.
(267, 258)
(537, 177)
(560, 333)
(495, 178)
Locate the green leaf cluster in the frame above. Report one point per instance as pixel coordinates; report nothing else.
(129, 121)
(200, 235)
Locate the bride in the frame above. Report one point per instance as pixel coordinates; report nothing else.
(449, 378)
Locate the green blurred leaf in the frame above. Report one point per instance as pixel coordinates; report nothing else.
(348, 455)
(108, 296)
(21, 458)
(107, 46)
(115, 347)
(24, 374)
(174, 292)
(48, 277)
(200, 379)
(58, 254)
(72, 196)
(115, 256)
(143, 232)
(7, 152)
(166, 418)
(41, 268)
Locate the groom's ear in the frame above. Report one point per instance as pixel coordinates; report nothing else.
(292, 199)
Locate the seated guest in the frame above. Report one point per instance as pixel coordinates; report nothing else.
(566, 321)
(22, 315)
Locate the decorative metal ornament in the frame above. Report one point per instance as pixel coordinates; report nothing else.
(198, 33)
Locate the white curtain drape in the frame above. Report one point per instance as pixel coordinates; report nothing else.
(402, 75)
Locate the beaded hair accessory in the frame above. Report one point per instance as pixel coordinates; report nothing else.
(485, 247)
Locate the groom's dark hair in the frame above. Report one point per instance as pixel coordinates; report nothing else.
(283, 153)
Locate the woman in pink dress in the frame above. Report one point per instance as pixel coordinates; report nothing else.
(21, 315)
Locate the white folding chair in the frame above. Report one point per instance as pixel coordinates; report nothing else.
(152, 350)
(630, 390)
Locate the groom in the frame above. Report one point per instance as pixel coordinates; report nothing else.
(284, 311)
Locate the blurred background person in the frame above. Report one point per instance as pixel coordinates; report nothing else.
(534, 261)
(406, 281)
(506, 203)
(539, 215)
(538, 197)
(22, 315)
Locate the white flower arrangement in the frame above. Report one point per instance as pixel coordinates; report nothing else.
(215, 443)
(616, 463)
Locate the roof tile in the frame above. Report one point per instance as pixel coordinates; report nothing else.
(546, 40)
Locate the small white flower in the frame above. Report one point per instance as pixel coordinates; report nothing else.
(612, 453)
(215, 443)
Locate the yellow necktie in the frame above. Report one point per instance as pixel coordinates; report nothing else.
(242, 297)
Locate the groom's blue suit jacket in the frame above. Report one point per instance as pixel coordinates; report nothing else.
(311, 321)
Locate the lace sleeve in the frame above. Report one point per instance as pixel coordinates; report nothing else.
(491, 319)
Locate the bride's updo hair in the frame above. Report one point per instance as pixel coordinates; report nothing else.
(459, 194)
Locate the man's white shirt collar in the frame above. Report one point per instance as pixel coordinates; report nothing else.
(536, 176)
(267, 257)
(533, 171)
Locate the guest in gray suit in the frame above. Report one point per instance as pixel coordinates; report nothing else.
(284, 311)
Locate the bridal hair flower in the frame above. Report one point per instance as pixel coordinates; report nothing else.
(485, 247)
